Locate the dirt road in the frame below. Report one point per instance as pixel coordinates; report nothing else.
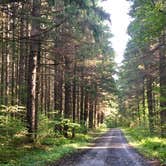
(111, 149)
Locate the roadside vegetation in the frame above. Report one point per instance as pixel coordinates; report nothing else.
(48, 147)
(149, 145)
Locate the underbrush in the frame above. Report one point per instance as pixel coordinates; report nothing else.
(52, 140)
(150, 145)
(20, 152)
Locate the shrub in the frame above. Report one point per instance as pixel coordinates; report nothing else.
(10, 122)
(45, 128)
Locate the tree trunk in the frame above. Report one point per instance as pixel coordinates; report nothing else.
(90, 112)
(78, 103)
(150, 104)
(2, 67)
(163, 88)
(138, 112)
(95, 112)
(86, 108)
(48, 93)
(22, 64)
(7, 60)
(58, 85)
(32, 71)
(74, 100)
(143, 103)
(13, 54)
(67, 108)
(82, 99)
(42, 87)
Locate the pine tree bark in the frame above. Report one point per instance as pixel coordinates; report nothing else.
(91, 109)
(150, 104)
(162, 70)
(86, 108)
(32, 71)
(143, 103)
(58, 85)
(74, 99)
(78, 102)
(7, 61)
(2, 66)
(22, 63)
(82, 97)
(67, 87)
(13, 54)
(42, 87)
(95, 112)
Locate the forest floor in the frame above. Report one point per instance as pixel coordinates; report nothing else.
(109, 149)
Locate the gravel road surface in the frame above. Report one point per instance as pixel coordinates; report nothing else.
(111, 149)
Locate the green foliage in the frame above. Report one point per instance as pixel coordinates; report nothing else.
(111, 122)
(15, 109)
(11, 126)
(150, 146)
(45, 128)
(82, 129)
(10, 121)
(148, 21)
(70, 124)
(51, 2)
(60, 124)
(50, 149)
(12, 132)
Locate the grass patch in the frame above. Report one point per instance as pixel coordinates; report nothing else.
(51, 149)
(150, 146)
